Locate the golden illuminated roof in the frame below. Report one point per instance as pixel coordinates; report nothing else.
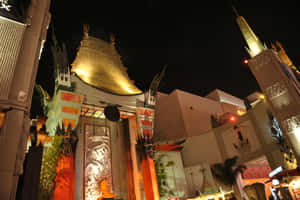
(253, 42)
(99, 64)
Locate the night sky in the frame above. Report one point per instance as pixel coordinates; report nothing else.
(198, 40)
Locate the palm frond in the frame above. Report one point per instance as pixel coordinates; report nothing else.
(230, 162)
(225, 172)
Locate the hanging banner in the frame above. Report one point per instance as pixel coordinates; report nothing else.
(65, 109)
(71, 97)
(70, 110)
(145, 122)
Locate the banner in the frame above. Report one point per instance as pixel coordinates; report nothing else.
(145, 122)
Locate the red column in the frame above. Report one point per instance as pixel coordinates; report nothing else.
(150, 181)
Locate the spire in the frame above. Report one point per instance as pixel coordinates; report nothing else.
(285, 58)
(53, 36)
(282, 53)
(86, 29)
(235, 11)
(254, 44)
(153, 89)
(60, 62)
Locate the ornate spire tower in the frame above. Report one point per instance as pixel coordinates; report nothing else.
(277, 81)
(61, 64)
(254, 44)
(285, 58)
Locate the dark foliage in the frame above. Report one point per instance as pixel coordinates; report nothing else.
(226, 172)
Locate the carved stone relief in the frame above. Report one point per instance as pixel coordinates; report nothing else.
(259, 61)
(278, 95)
(97, 160)
(291, 124)
(276, 90)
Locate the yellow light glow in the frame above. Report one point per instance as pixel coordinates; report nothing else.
(241, 112)
(262, 96)
(295, 183)
(81, 72)
(212, 196)
(98, 64)
(254, 44)
(2, 116)
(254, 47)
(297, 133)
(128, 90)
(287, 164)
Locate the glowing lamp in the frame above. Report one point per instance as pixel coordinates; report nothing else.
(262, 96)
(246, 61)
(232, 118)
(241, 112)
(2, 116)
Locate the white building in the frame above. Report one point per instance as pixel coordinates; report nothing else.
(184, 115)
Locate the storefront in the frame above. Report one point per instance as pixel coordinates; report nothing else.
(286, 184)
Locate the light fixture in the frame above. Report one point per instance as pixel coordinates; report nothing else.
(232, 118)
(261, 96)
(241, 112)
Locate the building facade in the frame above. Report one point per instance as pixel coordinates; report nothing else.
(277, 77)
(23, 28)
(262, 131)
(112, 120)
(248, 134)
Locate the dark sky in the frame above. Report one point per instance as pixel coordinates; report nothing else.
(198, 40)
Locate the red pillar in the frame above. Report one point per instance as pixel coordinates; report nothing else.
(150, 181)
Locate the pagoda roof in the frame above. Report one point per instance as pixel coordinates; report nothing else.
(99, 64)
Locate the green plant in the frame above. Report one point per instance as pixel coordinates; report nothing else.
(161, 174)
(44, 98)
(48, 169)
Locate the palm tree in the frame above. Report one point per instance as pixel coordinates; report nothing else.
(226, 173)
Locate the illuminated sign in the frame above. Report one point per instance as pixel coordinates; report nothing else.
(4, 5)
(276, 171)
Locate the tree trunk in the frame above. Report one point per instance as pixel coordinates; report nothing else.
(237, 192)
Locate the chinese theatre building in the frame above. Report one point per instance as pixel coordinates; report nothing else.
(110, 117)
